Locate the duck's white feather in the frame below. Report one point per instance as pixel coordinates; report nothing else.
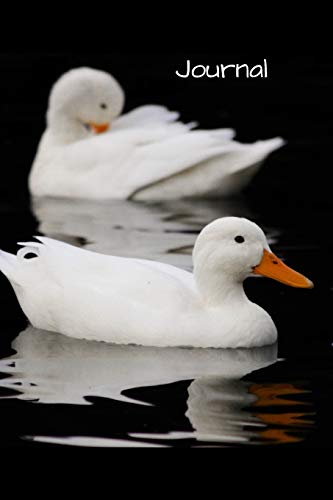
(8, 264)
(147, 115)
(226, 169)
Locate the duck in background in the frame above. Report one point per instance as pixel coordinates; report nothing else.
(88, 295)
(89, 150)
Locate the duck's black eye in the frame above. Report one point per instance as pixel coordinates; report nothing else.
(30, 255)
(239, 239)
(103, 105)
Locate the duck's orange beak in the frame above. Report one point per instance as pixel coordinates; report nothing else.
(272, 267)
(99, 128)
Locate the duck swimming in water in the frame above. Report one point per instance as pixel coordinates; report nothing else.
(88, 295)
(90, 151)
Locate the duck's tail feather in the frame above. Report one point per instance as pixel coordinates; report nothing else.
(30, 246)
(7, 263)
(249, 155)
(13, 266)
(223, 134)
(270, 145)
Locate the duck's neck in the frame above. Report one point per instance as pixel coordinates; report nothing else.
(218, 289)
(66, 130)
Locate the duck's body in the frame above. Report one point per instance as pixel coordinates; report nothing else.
(88, 295)
(130, 301)
(148, 154)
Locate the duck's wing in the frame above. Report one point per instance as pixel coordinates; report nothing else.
(130, 161)
(151, 116)
(153, 163)
(117, 165)
(145, 116)
(98, 297)
(62, 268)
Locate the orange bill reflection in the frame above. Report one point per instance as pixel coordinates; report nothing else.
(287, 418)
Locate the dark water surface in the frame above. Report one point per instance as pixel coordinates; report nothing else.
(55, 390)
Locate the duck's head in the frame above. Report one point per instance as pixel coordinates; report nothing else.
(236, 248)
(83, 102)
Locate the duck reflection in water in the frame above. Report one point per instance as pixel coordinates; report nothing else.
(162, 231)
(221, 407)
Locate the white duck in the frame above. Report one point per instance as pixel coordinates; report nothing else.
(87, 295)
(148, 154)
